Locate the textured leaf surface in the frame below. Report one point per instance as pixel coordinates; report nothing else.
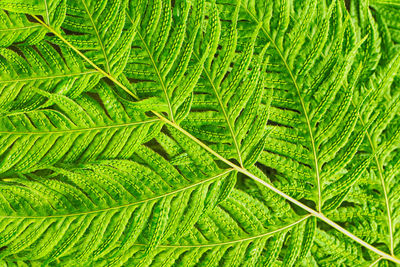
(199, 133)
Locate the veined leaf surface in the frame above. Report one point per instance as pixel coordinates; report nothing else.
(199, 133)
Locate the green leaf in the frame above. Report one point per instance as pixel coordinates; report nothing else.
(199, 133)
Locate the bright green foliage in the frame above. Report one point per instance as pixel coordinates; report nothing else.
(16, 27)
(388, 11)
(199, 133)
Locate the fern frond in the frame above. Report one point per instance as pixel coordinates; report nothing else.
(238, 242)
(191, 133)
(160, 64)
(304, 93)
(227, 101)
(15, 27)
(40, 67)
(53, 12)
(101, 29)
(378, 149)
(93, 126)
(389, 11)
(102, 208)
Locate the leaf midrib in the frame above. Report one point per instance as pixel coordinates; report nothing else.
(48, 77)
(47, 12)
(98, 36)
(124, 205)
(80, 129)
(237, 240)
(158, 73)
(225, 114)
(20, 28)
(383, 184)
(319, 206)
